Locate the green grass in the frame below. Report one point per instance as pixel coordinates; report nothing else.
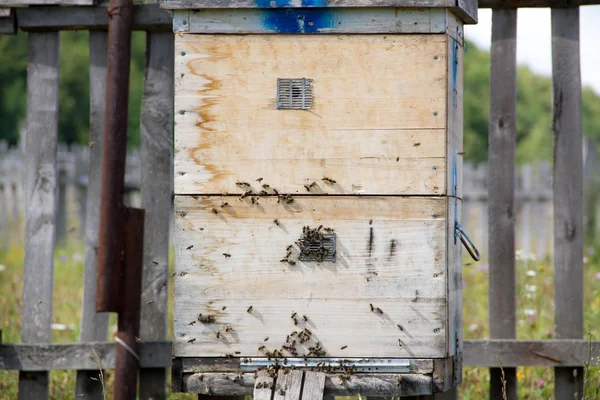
(535, 293)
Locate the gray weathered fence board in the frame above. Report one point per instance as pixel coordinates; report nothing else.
(156, 139)
(8, 25)
(148, 17)
(94, 326)
(568, 190)
(501, 183)
(43, 357)
(41, 187)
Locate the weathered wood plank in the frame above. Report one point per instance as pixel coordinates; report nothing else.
(568, 190)
(466, 10)
(366, 385)
(314, 385)
(94, 326)
(41, 185)
(148, 17)
(501, 184)
(337, 21)
(389, 252)
(216, 146)
(8, 22)
(10, 3)
(156, 140)
(45, 357)
(541, 353)
(265, 384)
(288, 385)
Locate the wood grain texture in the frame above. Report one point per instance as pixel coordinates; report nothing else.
(45, 357)
(314, 385)
(219, 384)
(40, 215)
(148, 17)
(501, 186)
(260, 391)
(454, 171)
(568, 190)
(223, 82)
(156, 140)
(338, 20)
(94, 326)
(232, 259)
(288, 385)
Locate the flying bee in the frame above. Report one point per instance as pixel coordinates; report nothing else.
(192, 323)
(218, 334)
(267, 338)
(276, 222)
(189, 247)
(372, 308)
(328, 180)
(343, 347)
(242, 184)
(227, 255)
(238, 352)
(223, 308)
(249, 310)
(265, 186)
(400, 327)
(192, 340)
(261, 348)
(214, 210)
(259, 180)
(379, 310)
(225, 204)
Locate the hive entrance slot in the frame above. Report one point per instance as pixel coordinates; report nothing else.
(294, 94)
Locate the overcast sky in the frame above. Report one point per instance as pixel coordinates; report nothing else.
(533, 40)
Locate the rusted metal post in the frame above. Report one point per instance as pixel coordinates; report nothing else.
(127, 359)
(113, 164)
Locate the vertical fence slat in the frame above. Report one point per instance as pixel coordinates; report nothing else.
(40, 215)
(501, 184)
(94, 326)
(568, 191)
(156, 187)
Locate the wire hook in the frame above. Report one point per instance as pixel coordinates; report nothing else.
(466, 241)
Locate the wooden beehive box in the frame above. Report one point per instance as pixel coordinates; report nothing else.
(318, 155)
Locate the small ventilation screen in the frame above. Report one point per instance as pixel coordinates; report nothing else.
(294, 94)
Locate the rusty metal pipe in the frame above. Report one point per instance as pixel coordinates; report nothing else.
(127, 355)
(113, 164)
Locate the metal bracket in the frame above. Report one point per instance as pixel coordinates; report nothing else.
(387, 365)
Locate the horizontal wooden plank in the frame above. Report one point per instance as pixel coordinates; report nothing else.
(477, 353)
(546, 353)
(390, 252)
(534, 3)
(147, 17)
(219, 384)
(223, 82)
(310, 20)
(8, 3)
(45, 357)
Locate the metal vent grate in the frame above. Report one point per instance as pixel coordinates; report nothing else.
(318, 250)
(294, 94)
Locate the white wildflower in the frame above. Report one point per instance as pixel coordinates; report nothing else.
(531, 273)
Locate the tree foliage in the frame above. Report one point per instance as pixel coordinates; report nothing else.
(534, 98)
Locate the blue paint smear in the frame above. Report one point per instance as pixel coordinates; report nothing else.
(454, 189)
(454, 71)
(288, 3)
(297, 20)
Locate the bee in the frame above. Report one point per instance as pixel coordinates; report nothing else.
(372, 307)
(228, 328)
(218, 334)
(267, 338)
(293, 315)
(192, 323)
(275, 191)
(245, 194)
(328, 180)
(400, 327)
(259, 180)
(343, 347)
(227, 255)
(263, 192)
(206, 319)
(189, 247)
(249, 310)
(150, 302)
(225, 204)
(276, 222)
(379, 310)
(261, 348)
(229, 355)
(291, 262)
(417, 144)
(192, 340)
(223, 308)
(182, 214)
(399, 342)
(238, 352)
(154, 262)
(281, 392)
(183, 273)
(242, 184)
(307, 187)
(328, 230)
(265, 186)
(214, 210)
(305, 318)
(295, 321)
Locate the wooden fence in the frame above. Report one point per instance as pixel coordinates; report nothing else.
(35, 356)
